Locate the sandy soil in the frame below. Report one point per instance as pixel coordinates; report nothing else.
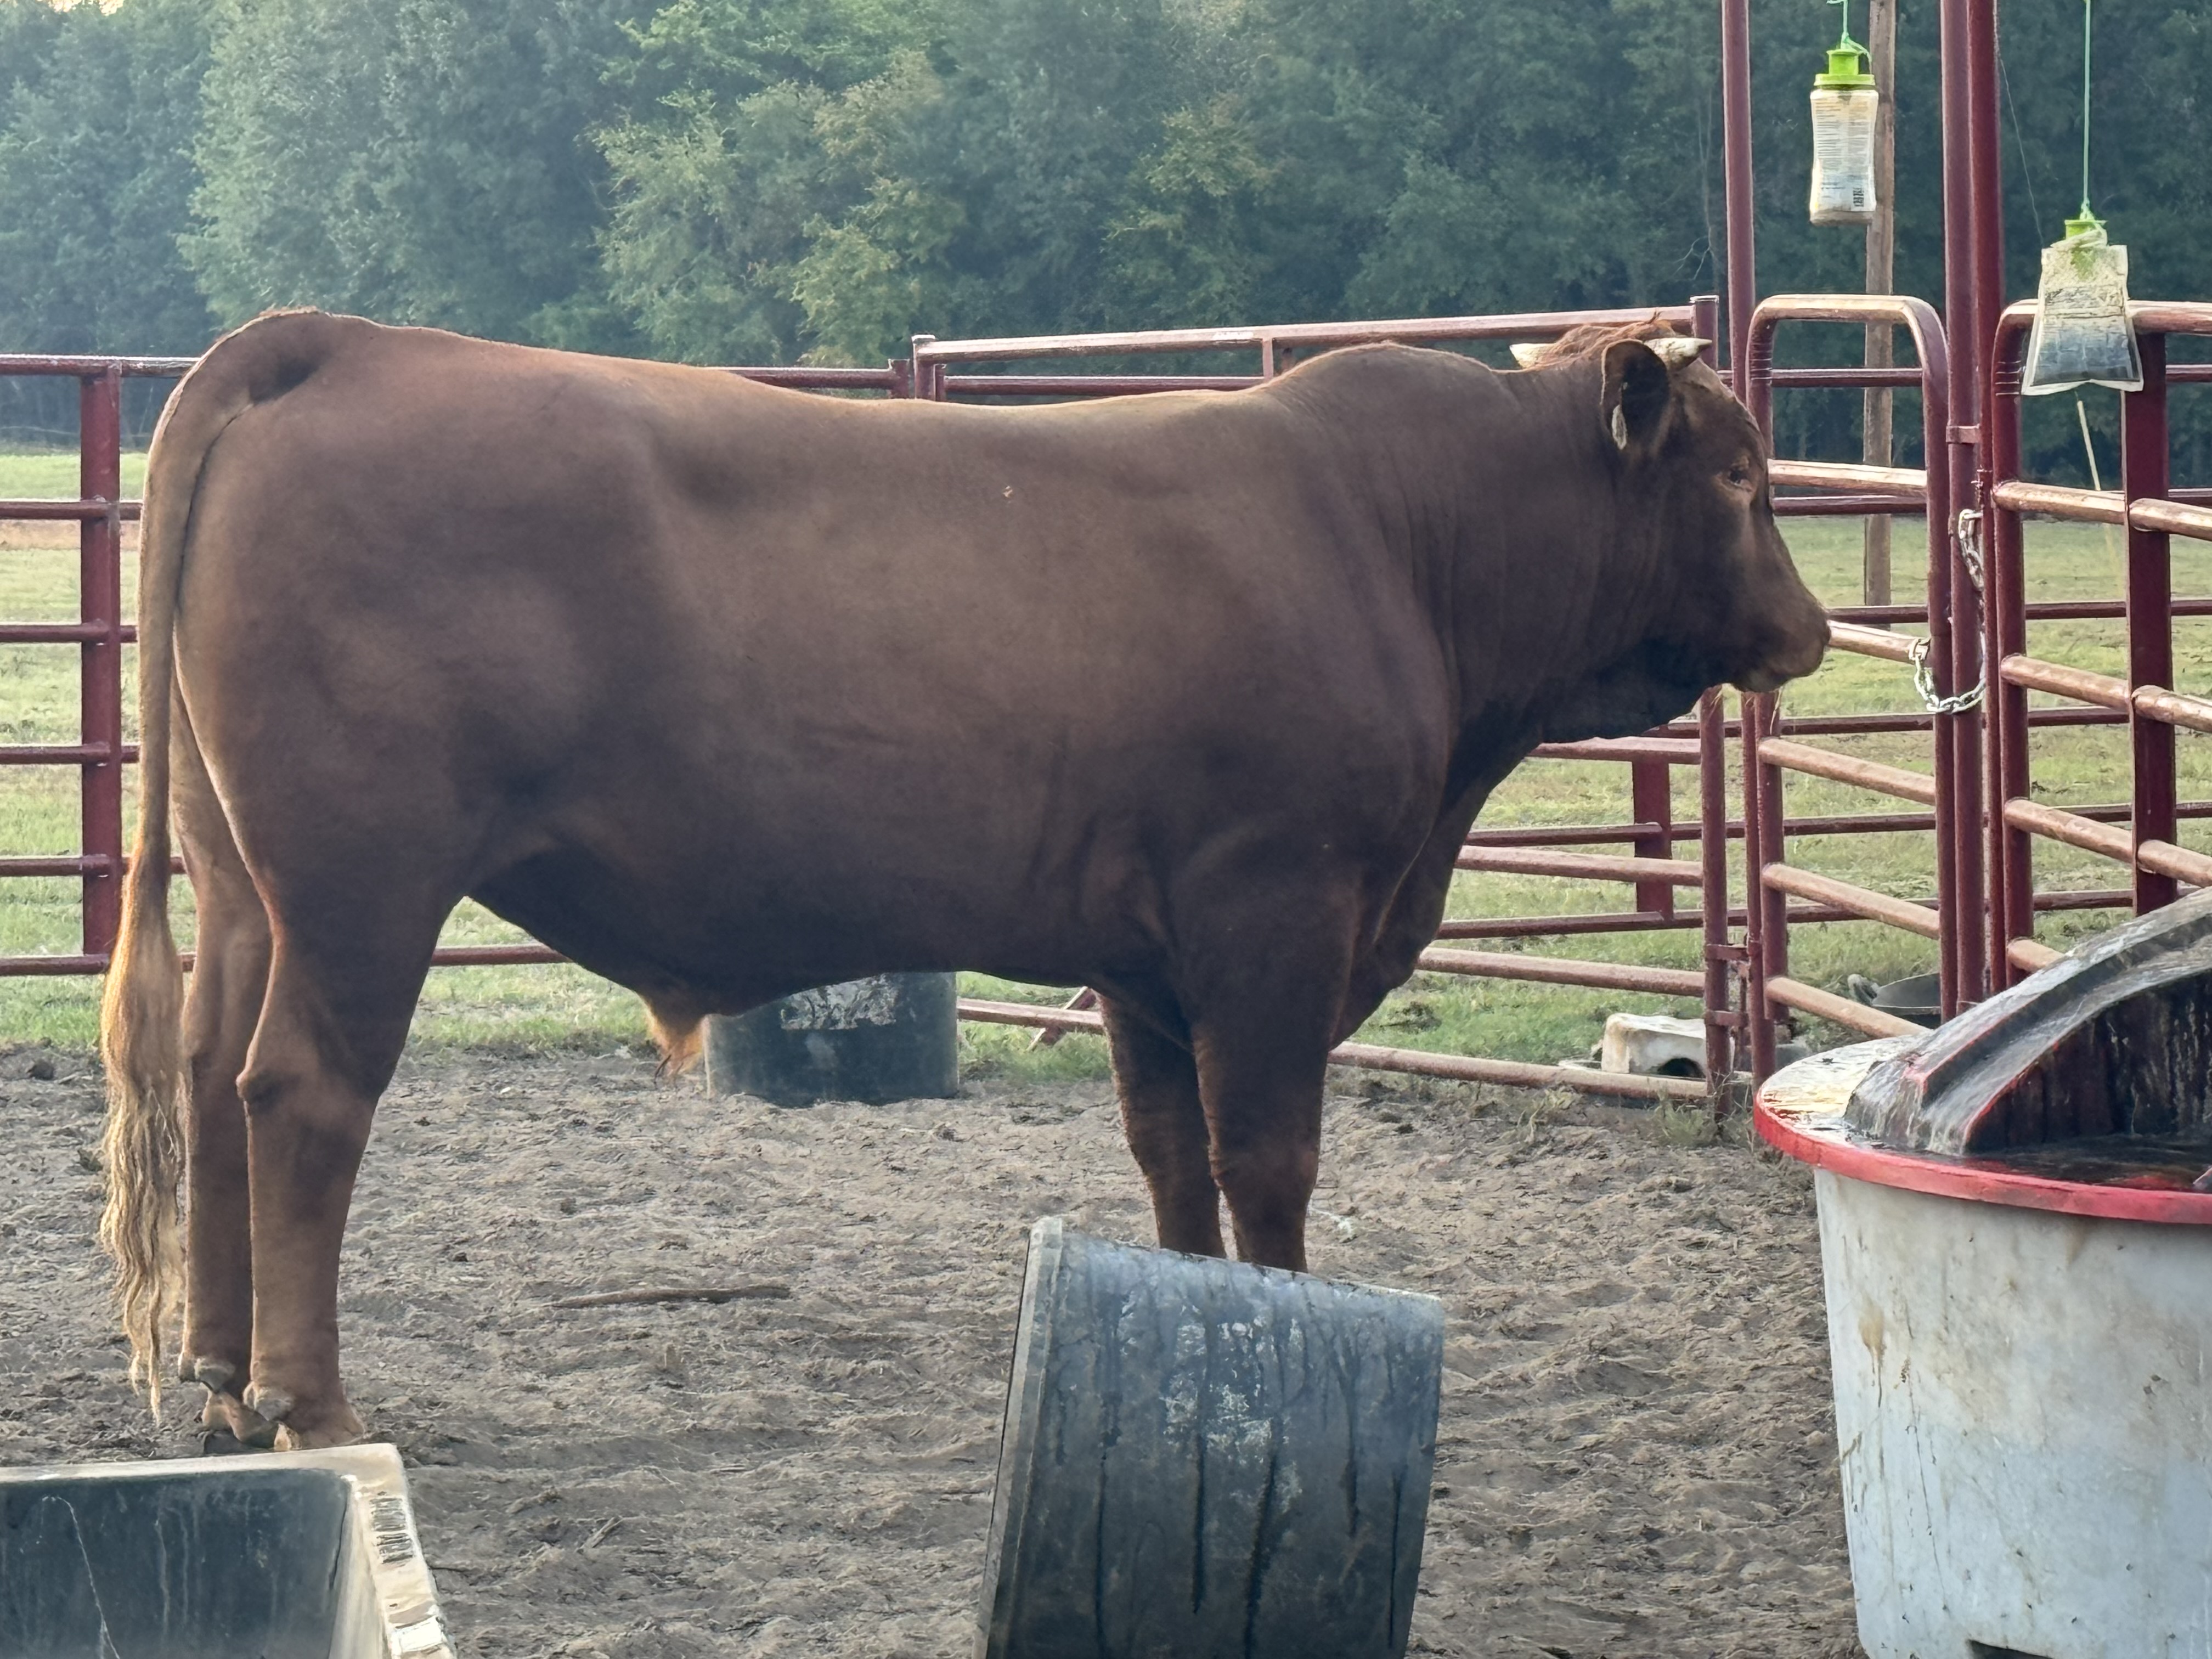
(1636, 1454)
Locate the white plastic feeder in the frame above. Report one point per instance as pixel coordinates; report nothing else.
(2019, 1278)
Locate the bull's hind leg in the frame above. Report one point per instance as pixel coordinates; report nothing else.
(331, 1033)
(220, 1011)
(221, 1008)
(1157, 1081)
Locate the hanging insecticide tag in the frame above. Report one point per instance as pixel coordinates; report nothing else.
(2082, 335)
(1845, 112)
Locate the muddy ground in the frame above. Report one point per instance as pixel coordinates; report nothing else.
(1636, 1454)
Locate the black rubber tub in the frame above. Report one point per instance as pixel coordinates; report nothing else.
(308, 1555)
(1203, 1458)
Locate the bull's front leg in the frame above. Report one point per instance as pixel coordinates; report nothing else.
(1264, 1010)
(1416, 911)
(1157, 1080)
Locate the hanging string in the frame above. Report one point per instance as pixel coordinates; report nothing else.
(2088, 12)
(2020, 142)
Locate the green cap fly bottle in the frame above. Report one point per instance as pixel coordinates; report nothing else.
(1846, 114)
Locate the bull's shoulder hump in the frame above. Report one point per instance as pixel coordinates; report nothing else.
(1388, 363)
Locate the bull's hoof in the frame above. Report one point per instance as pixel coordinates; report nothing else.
(303, 1427)
(273, 1403)
(348, 1431)
(215, 1374)
(227, 1418)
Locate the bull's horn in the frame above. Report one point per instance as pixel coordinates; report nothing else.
(1676, 350)
(1528, 354)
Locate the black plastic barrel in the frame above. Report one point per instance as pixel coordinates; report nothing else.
(893, 1037)
(1203, 1458)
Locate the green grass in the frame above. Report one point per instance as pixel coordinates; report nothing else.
(547, 1006)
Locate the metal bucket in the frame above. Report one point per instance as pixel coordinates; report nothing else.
(1204, 1458)
(1916, 997)
(895, 1037)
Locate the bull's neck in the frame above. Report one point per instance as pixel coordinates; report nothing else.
(1498, 495)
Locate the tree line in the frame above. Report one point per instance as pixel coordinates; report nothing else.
(773, 181)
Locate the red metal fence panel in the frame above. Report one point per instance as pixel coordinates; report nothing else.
(2151, 512)
(1981, 853)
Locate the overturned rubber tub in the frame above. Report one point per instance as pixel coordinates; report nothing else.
(2018, 1262)
(1203, 1459)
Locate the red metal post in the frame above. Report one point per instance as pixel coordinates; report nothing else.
(1766, 921)
(1987, 242)
(2012, 856)
(99, 592)
(1713, 886)
(1986, 147)
(1955, 655)
(1705, 323)
(1735, 124)
(2143, 461)
(1969, 930)
(1651, 798)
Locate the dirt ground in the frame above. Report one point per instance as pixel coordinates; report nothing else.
(1636, 1458)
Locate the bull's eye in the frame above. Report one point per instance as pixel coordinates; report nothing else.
(1740, 477)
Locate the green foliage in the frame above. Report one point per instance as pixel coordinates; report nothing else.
(95, 170)
(767, 180)
(417, 161)
(97, 114)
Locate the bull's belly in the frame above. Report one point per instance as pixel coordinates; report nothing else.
(728, 945)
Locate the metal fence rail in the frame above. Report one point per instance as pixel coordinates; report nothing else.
(2151, 512)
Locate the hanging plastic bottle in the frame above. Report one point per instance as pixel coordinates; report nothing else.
(1846, 112)
(2082, 334)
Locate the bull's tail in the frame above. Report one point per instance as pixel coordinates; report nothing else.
(142, 1013)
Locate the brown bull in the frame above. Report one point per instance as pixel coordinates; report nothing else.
(726, 691)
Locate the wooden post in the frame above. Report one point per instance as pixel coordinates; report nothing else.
(1880, 278)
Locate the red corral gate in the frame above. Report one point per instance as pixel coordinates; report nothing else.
(1981, 915)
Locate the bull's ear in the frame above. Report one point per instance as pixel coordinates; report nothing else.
(1639, 396)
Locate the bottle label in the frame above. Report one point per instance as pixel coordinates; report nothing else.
(1844, 126)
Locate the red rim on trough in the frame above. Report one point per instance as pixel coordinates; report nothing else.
(1826, 1146)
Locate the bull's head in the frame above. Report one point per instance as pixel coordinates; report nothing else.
(1699, 587)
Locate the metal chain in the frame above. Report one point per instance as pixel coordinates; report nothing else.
(1970, 543)
(1923, 682)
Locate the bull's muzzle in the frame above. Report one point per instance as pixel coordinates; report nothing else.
(1798, 655)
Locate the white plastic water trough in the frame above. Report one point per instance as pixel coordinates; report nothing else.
(2019, 1278)
(286, 1555)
